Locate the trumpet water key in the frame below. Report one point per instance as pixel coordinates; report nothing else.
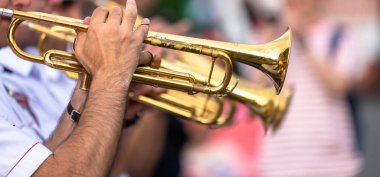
(271, 58)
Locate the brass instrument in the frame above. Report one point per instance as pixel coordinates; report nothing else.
(271, 58)
(262, 101)
(200, 108)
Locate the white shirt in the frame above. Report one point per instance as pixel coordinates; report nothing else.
(48, 90)
(56, 81)
(20, 139)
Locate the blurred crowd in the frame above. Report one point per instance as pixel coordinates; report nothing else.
(334, 60)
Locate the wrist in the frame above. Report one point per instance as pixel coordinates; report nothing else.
(110, 84)
(73, 112)
(79, 98)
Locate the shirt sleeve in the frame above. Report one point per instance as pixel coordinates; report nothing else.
(20, 155)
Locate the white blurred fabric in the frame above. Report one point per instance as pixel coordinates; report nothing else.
(316, 138)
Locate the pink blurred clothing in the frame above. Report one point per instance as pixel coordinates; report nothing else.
(230, 151)
(316, 138)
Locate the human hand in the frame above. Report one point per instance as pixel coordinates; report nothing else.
(134, 107)
(110, 50)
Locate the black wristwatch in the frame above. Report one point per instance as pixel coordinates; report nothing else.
(74, 114)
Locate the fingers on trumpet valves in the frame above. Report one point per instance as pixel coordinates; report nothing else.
(156, 52)
(115, 16)
(142, 30)
(149, 58)
(79, 40)
(146, 58)
(130, 14)
(99, 16)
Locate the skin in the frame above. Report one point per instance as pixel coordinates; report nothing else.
(141, 145)
(115, 53)
(23, 34)
(111, 78)
(144, 7)
(150, 130)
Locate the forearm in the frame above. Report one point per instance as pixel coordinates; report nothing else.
(66, 125)
(147, 144)
(61, 133)
(109, 52)
(90, 149)
(141, 148)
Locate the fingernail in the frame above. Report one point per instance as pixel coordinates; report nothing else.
(116, 8)
(145, 21)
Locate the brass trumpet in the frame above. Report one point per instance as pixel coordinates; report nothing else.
(204, 109)
(200, 108)
(264, 102)
(271, 58)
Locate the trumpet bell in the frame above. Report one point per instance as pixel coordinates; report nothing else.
(269, 107)
(264, 102)
(282, 106)
(271, 58)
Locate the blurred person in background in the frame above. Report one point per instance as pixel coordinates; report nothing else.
(367, 25)
(317, 137)
(235, 150)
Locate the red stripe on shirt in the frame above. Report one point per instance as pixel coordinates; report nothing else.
(21, 158)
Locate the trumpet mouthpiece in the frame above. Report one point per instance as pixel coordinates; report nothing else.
(6, 12)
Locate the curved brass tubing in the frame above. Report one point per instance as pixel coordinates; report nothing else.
(162, 78)
(264, 102)
(201, 108)
(271, 58)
